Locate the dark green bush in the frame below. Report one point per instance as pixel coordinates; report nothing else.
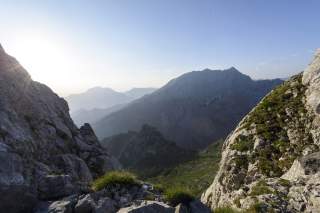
(225, 210)
(242, 144)
(284, 182)
(258, 208)
(177, 195)
(241, 161)
(115, 178)
(158, 187)
(260, 189)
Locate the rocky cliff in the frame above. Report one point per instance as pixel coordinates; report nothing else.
(43, 155)
(270, 163)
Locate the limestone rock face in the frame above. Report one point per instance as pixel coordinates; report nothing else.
(271, 160)
(40, 147)
(304, 175)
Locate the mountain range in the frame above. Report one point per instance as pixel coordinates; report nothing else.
(98, 102)
(192, 110)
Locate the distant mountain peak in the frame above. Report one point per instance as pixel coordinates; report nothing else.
(100, 89)
(229, 69)
(1, 48)
(232, 69)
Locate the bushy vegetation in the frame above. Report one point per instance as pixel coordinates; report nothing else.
(176, 195)
(225, 210)
(243, 144)
(284, 182)
(256, 208)
(259, 208)
(195, 175)
(114, 178)
(270, 119)
(260, 188)
(158, 187)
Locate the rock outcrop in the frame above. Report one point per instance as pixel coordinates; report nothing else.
(43, 155)
(271, 160)
(142, 198)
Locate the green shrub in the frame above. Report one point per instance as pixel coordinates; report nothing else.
(242, 144)
(158, 187)
(225, 210)
(241, 161)
(115, 178)
(177, 195)
(269, 167)
(257, 208)
(260, 188)
(284, 182)
(237, 202)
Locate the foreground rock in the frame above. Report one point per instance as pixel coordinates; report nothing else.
(148, 206)
(43, 155)
(122, 199)
(271, 161)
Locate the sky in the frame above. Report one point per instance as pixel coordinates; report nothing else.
(73, 45)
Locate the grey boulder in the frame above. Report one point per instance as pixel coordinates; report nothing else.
(148, 207)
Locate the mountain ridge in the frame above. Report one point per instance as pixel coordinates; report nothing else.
(188, 108)
(97, 102)
(147, 152)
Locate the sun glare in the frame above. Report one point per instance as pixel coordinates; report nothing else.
(44, 58)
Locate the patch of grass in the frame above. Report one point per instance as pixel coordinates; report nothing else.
(260, 188)
(257, 208)
(225, 210)
(242, 144)
(177, 195)
(269, 167)
(284, 182)
(241, 161)
(237, 202)
(196, 175)
(115, 178)
(158, 187)
(149, 197)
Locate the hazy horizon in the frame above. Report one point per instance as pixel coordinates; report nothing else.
(75, 45)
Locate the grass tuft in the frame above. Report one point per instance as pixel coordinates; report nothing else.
(177, 195)
(225, 210)
(260, 189)
(114, 178)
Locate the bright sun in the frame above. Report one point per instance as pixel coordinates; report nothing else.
(43, 58)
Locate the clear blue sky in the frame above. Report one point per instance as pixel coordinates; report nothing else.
(130, 43)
